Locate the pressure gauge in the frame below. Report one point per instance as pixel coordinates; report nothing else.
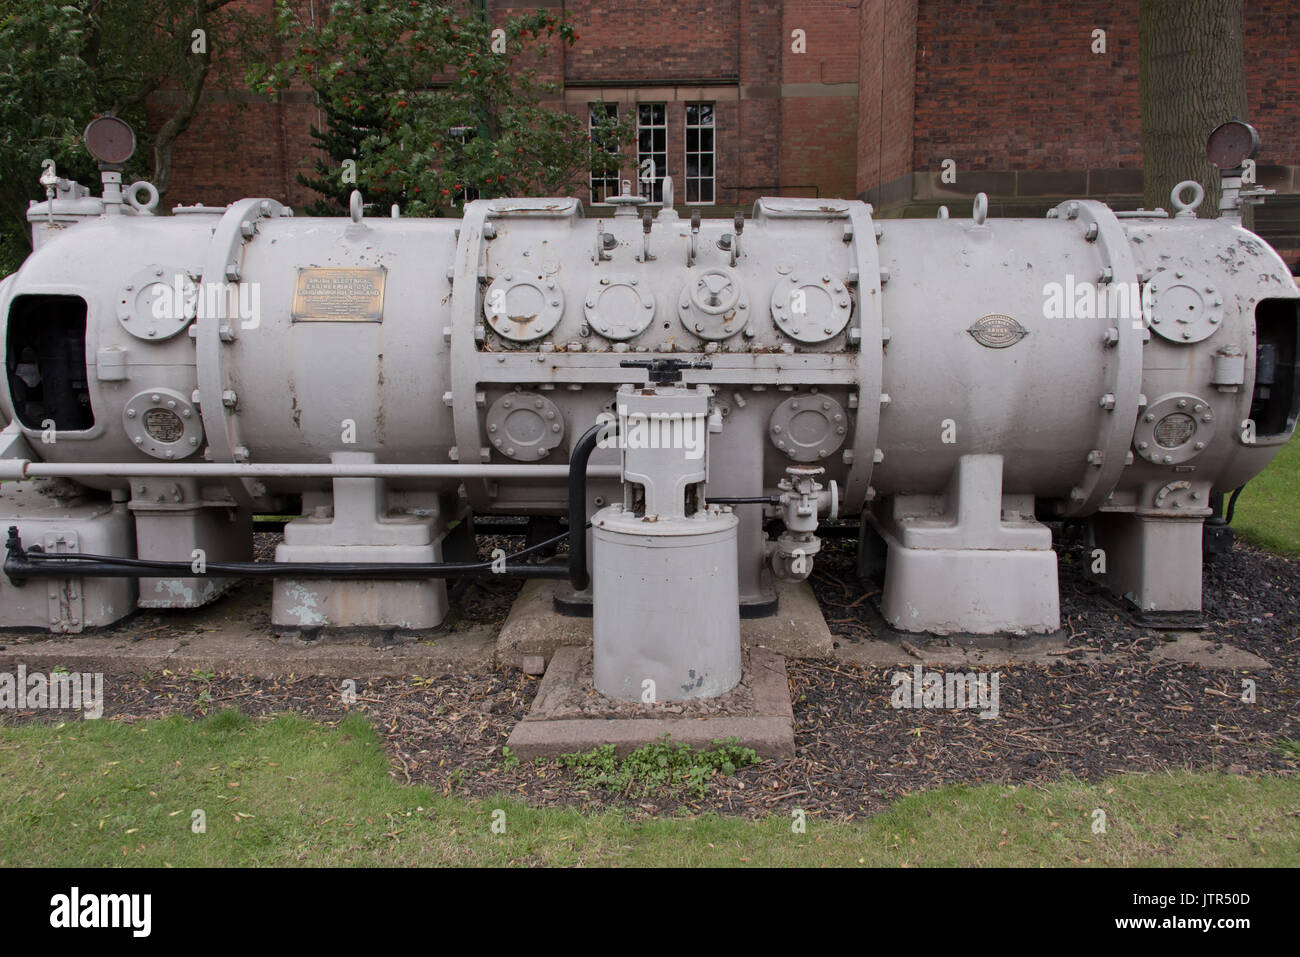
(109, 139)
(1231, 144)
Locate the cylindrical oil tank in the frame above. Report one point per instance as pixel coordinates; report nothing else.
(660, 632)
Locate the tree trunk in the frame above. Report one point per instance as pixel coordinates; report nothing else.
(195, 75)
(1192, 75)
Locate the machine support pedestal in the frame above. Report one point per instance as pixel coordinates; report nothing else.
(361, 528)
(972, 561)
(1153, 561)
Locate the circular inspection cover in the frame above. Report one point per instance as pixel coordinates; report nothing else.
(713, 304)
(163, 423)
(617, 307)
(522, 308)
(1183, 305)
(808, 427)
(1174, 429)
(525, 426)
(109, 139)
(811, 309)
(157, 302)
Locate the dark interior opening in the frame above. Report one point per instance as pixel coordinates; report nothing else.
(45, 361)
(1277, 375)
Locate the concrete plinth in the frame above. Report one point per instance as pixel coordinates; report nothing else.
(797, 630)
(767, 726)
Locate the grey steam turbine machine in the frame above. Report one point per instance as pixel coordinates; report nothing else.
(696, 396)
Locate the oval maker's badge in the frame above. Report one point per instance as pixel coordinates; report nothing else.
(997, 332)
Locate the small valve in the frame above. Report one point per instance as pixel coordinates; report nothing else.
(802, 499)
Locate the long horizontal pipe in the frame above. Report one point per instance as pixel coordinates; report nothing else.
(21, 568)
(22, 469)
(21, 564)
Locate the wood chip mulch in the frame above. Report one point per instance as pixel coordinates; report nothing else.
(855, 753)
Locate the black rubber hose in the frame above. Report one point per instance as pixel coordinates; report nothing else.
(1232, 505)
(746, 500)
(578, 459)
(20, 564)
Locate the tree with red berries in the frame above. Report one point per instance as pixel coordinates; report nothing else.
(427, 107)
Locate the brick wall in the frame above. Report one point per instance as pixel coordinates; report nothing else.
(1012, 86)
(659, 40)
(1016, 86)
(819, 106)
(886, 88)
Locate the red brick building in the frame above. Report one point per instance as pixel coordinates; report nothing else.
(739, 98)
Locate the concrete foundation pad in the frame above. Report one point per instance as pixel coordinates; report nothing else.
(768, 726)
(883, 654)
(256, 656)
(233, 635)
(797, 630)
(1188, 647)
(1191, 647)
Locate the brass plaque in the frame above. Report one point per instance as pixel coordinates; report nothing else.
(339, 295)
(997, 332)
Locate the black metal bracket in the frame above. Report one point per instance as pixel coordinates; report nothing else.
(667, 371)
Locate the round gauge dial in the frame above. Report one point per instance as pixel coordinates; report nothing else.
(109, 139)
(1232, 143)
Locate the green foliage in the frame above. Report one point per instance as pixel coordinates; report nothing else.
(64, 63)
(659, 766)
(1266, 513)
(46, 98)
(509, 760)
(431, 106)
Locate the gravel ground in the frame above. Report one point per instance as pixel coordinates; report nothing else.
(856, 753)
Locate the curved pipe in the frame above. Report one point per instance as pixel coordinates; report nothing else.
(1232, 506)
(578, 459)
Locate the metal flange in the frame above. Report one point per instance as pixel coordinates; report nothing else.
(1120, 350)
(1183, 305)
(523, 308)
(617, 308)
(157, 302)
(223, 265)
(1174, 429)
(808, 427)
(713, 305)
(163, 423)
(811, 309)
(525, 426)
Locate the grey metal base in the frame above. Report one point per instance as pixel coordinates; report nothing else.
(971, 561)
(360, 524)
(68, 605)
(573, 604)
(1153, 560)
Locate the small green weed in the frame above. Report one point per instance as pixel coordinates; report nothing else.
(659, 766)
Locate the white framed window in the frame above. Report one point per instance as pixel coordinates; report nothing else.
(651, 149)
(700, 153)
(604, 181)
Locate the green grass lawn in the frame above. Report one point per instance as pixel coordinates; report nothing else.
(1268, 511)
(288, 791)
